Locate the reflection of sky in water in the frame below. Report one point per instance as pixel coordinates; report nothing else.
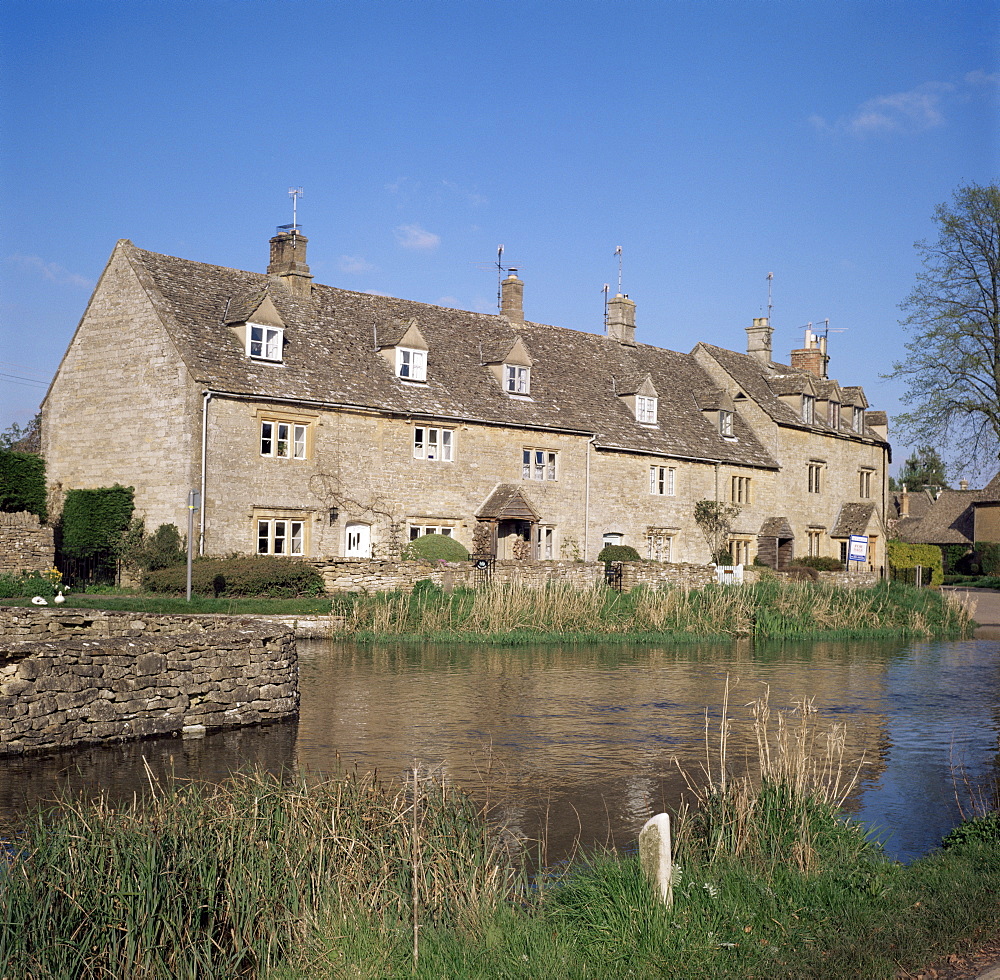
(581, 741)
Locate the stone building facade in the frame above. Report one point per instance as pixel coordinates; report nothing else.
(320, 422)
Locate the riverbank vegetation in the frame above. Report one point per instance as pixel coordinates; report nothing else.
(770, 609)
(300, 878)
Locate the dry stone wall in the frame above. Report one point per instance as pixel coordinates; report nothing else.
(70, 678)
(25, 544)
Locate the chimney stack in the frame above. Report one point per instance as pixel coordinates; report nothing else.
(904, 502)
(812, 357)
(288, 260)
(621, 320)
(963, 484)
(759, 339)
(512, 297)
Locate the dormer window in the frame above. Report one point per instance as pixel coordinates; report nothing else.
(645, 409)
(411, 364)
(725, 424)
(808, 409)
(859, 419)
(264, 343)
(517, 380)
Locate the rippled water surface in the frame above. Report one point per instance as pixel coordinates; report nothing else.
(583, 741)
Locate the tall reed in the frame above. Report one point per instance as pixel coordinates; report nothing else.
(228, 881)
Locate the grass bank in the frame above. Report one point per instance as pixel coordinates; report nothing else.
(352, 877)
(770, 609)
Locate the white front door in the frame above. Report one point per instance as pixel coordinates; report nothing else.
(359, 541)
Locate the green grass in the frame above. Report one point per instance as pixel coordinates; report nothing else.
(199, 604)
(352, 877)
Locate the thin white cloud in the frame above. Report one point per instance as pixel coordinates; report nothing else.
(354, 265)
(449, 302)
(915, 111)
(51, 271)
(417, 238)
(473, 198)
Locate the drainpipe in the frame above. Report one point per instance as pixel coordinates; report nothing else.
(206, 398)
(586, 504)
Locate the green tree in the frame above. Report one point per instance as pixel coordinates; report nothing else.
(23, 438)
(952, 367)
(715, 518)
(923, 468)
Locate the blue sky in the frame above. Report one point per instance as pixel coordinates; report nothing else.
(714, 141)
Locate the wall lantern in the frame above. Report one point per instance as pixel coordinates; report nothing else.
(334, 514)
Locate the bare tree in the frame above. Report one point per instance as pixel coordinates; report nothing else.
(952, 367)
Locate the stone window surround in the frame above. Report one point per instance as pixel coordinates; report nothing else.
(434, 443)
(741, 490)
(539, 464)
(865, 482)
(280, 534)
(815, 476)
(417, 530)
(663, 481)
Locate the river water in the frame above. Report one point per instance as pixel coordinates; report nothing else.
(584, 743)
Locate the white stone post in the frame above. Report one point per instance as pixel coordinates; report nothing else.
(655, 857)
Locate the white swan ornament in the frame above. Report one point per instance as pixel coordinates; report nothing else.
(39, 601)
(59, 599)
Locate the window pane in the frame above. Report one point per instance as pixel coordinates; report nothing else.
(300, 442)
(418, 442)
(297, 538)
(263, 537)
(539, 473)
(281, 447)
(256, 341)
(446, 444)
(670, 481)
(551, 474)
(280, 533)
(419, 365)
(266, 438)
(526, 464)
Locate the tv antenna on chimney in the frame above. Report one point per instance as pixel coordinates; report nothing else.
(605, 291)
(295, 193)
(500, 271)
(770, 279)
(618, 252)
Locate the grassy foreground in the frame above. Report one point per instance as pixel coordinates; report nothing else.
(350, 877)
(770, 609)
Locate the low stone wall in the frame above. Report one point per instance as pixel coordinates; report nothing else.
(68, 678)
(25, 544)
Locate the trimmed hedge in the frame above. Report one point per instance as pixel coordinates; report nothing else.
(94, 521)
(22, 483)
(618, 552)
(436, 547)
(825, 564)
(989, 557)
(904, 555)
(259, 575)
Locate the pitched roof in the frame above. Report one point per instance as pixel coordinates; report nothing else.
(951, 517)
(852, 519)
(764, 383)
(330, 358)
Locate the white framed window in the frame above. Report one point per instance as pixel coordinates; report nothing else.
(280, 536)
(264, 343)
(663, 480)
(612, 537)
(517, 380)
(545, 538)
(865, 484)
(432, 442)
(808, 409)
(659, 545)
(859, 419)
(538, 464)
(645, 409)
(411, 364)
(726, 424)
(284, 440)
(741, 490)
(815, 477)
(419, 530)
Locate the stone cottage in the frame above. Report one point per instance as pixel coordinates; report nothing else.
(320, 422)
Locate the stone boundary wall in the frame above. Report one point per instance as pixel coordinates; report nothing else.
(364, 575)
(26, 545)
(70, 679)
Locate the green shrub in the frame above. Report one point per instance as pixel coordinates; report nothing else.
(825, 564)
(436, 547)
(29, 584)
(94, 521)
(618, 552)
(951, 555)
(988, 553)
(22, 483)
(904, 555)
(979, 830)
(259, 575)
